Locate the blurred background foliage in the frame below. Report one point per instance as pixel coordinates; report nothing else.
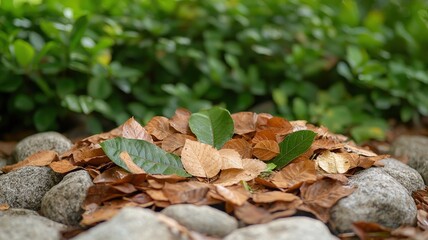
(349, 65)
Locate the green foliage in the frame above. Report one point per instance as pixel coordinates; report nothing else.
(152, 159)
(293, 145)
(342, 64)
(213, 126)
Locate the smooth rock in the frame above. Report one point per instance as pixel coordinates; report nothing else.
(62, 203)
(18, 212)
(25, 187)
(292, 228)
(415, 148)
(39, 142)
(29, 227)
(379, 198)
(131, 223)
(405, 175)
(202, 219)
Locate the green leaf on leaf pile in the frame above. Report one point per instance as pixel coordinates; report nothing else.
(213, 126)
(148, 156)
(294, 145)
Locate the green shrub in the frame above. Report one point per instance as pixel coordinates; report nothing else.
(348, 65)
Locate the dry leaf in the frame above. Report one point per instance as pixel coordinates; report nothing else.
(320, 196)
(157, 195)
(251, 169)
(230, 159)
(266, 150)
(244, 122)
(262, 119)
(241, 146)
(186, 192)
(332, 162)
(200, 159)
(115, 175)
(133, 130)
(359, 150)
(294, 175)
(62, 166)
(4, 206)
(175, 142)
(236, 195)
(267, 134)
(159, 127)
(273, 196)
(280, 125)
(86, 154)
(180, 120)
(250, 214)
(132, 167)
(42, 158)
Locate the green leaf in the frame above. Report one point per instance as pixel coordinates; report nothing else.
(45, 119)
(24, 52)
(99, 88)
(213, 126)
(78, 31)
(148, 156)
(294, 145)
(23, 102)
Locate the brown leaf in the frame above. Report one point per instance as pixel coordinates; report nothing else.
(422, 217)
(142, 199)
(86, 154)
(267, 134)
(159, 127)
(4, 206)
(186, 192)
(230, 159)
(175, 142)
(262, 119)
(294, 175)
(236, 195)
(280, 125)
(266, 150)
(63, 166)
(42, 158)
(180, 120)
(250, 214)
(241, 146)
(157, 195)
(332, 162)
(244, 122)
(251, 169)
(132, 167)
(100, 215)
(113, 175)
(368, 230)
(273, 196)
(133, 130)
(321, 195)
(200, 159)
(359, 150)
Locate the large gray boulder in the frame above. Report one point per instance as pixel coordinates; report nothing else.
(29, 227)
(405, 175)
(63, 202)
(379, 198)
(202, 219)
(25, 187)
(292, 228)
(39, 142)
(415, 148)
(130, 223)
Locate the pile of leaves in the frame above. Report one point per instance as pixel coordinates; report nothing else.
(256, 166)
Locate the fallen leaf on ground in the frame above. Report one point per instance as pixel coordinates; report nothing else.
(4, 206)
(244, 122)
(180, 120)
(133, 130)
(159, 127)
(235, 195)
(230, 159)
(130, 165)
(294, 175)
(266, 150)
(186, 192)
(42, 158)
(241, 146)
(273, 196)
(62, 166)
(251, 169)
(332, 162)
(200, 159)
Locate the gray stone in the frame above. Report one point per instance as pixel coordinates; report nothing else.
(405, 175)
(18, 212)
(130, 223)
(292, 228)
(379, 198)
(415, 148)
(25, 187)
(62, 203)
(203, 219)
(39, 142)
(29, 227)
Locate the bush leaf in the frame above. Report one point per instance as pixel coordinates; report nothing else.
(24, 52)
(78, 31)
(294, 145)
(146, 155)
(213, 126)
